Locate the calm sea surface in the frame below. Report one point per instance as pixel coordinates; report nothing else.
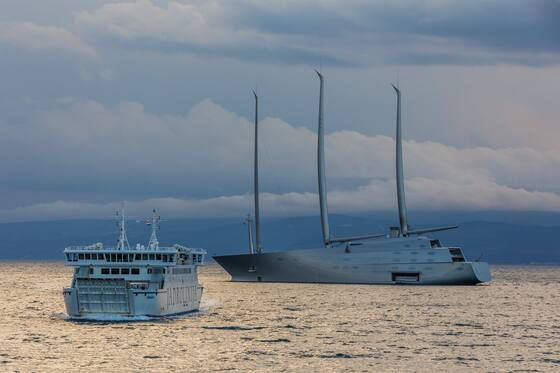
(511, 325)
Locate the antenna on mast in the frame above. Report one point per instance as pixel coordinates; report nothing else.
(256, 178)
(321, 168)
(154, 243)
(249, 222)
(122, 243)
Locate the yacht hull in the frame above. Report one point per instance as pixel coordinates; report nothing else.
(356, 265)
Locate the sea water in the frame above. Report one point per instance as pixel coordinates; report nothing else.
(512, 324)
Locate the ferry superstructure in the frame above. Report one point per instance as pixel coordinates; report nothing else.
(127, 282)
(404, 256)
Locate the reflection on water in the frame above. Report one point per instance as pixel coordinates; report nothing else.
(512, 324)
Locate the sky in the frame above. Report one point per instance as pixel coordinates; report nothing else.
(150, 102)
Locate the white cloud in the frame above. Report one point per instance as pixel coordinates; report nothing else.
(423, 194)
(200, 165)
(34, 37)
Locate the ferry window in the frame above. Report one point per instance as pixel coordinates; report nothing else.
(94, 256)
(152, 256)
(119, 257)
(171, 257)
(104, 271)
(149, 270)
(158, 256)
(135, 271)
(88, 257)
(114, 271)
(113, 257)
(91, 271)
(138, 257)
(125, 271)
(144, 256)
(163, 271)
(68, 257)
(164, 257)
(81, 256)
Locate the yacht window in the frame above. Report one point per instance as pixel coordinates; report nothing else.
(113, 257)
(119, 257)
(138, 257)
(68, 257)
(152, 256)
(435, 243)
(163, 271)
(135, 271)
(114, 271)
(94, 256)
(88, 257)
(91, 271)
(171, 257)
(149, 270)
(125, 271)
(158, 256)
(164, 257)
(104, 271)
(81, 256)
(144, 256)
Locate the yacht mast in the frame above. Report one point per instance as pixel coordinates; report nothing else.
(256, 179)
(399, 168)
(321, 168)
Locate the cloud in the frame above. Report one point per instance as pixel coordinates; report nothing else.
(423, 194)
(200, 164)
(345, 33)
(29, 36)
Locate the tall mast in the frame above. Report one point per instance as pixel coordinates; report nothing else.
(399, 168)
(321, 168)
(256, 178)
(122, 244)
(249, 222)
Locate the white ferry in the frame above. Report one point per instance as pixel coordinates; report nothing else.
(125, 282)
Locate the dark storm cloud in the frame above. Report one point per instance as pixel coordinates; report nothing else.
(525, 32)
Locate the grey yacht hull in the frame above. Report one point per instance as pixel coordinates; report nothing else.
(389, 263)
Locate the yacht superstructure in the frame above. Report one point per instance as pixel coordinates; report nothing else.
(129, 282)
(404, 256)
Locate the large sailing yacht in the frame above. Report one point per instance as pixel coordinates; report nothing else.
(403, 256)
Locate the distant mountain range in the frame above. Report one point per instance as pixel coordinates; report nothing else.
(496, 237)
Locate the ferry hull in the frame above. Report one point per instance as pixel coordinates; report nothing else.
(341, 267)
(130, 304)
